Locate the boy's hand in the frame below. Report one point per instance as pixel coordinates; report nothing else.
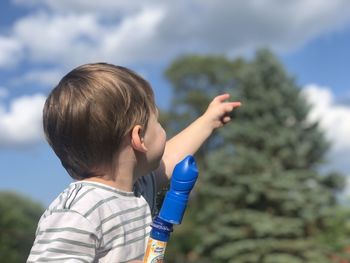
(218, 112)
(190, 139)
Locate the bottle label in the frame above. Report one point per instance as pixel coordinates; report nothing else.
(155, 251)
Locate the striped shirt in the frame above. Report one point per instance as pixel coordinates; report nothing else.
(93, 222)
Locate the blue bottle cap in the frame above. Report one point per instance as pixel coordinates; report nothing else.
(184, 177)
(161, 229)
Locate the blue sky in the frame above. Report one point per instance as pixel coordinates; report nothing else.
(40, 40)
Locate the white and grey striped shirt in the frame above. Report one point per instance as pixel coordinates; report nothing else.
(93, 222)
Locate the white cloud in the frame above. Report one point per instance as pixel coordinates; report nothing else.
(45, 77)
(72, 39)
(10, 51)
(334, 119)
(21, 124)
(74, 32)
(59, 38)
(107, 7)
(133, 39)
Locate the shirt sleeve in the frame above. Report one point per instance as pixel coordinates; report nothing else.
(64, 236)
(146, 186)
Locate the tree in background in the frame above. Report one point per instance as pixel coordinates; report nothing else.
(337, 235)
(18, 220)
(261, 197)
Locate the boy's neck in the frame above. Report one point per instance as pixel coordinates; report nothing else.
(123, 186)
(122, 175)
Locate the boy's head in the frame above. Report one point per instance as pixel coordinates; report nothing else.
(90, 111)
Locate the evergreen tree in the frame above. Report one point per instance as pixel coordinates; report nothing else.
(18, 220)
(196, 80)
(261, 197)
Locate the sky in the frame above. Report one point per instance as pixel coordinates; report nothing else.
(41, 40)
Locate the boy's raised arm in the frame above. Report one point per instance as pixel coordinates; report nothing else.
(189, 140)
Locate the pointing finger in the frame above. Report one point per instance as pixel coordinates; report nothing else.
(222, 98)
(232, 105)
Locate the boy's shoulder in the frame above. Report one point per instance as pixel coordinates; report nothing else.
(94, 201)
(85, 197)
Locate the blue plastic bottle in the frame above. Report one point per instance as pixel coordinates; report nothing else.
(183, 179)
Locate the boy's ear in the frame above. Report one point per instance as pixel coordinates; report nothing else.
(137, 141)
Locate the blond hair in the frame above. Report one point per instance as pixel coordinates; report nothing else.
(89, 112)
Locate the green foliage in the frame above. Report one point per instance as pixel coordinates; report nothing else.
(18, 220)
(260, 197)
(337, 233)
(181, 244)
(196, 80)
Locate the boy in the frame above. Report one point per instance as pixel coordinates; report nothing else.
(101, 121)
